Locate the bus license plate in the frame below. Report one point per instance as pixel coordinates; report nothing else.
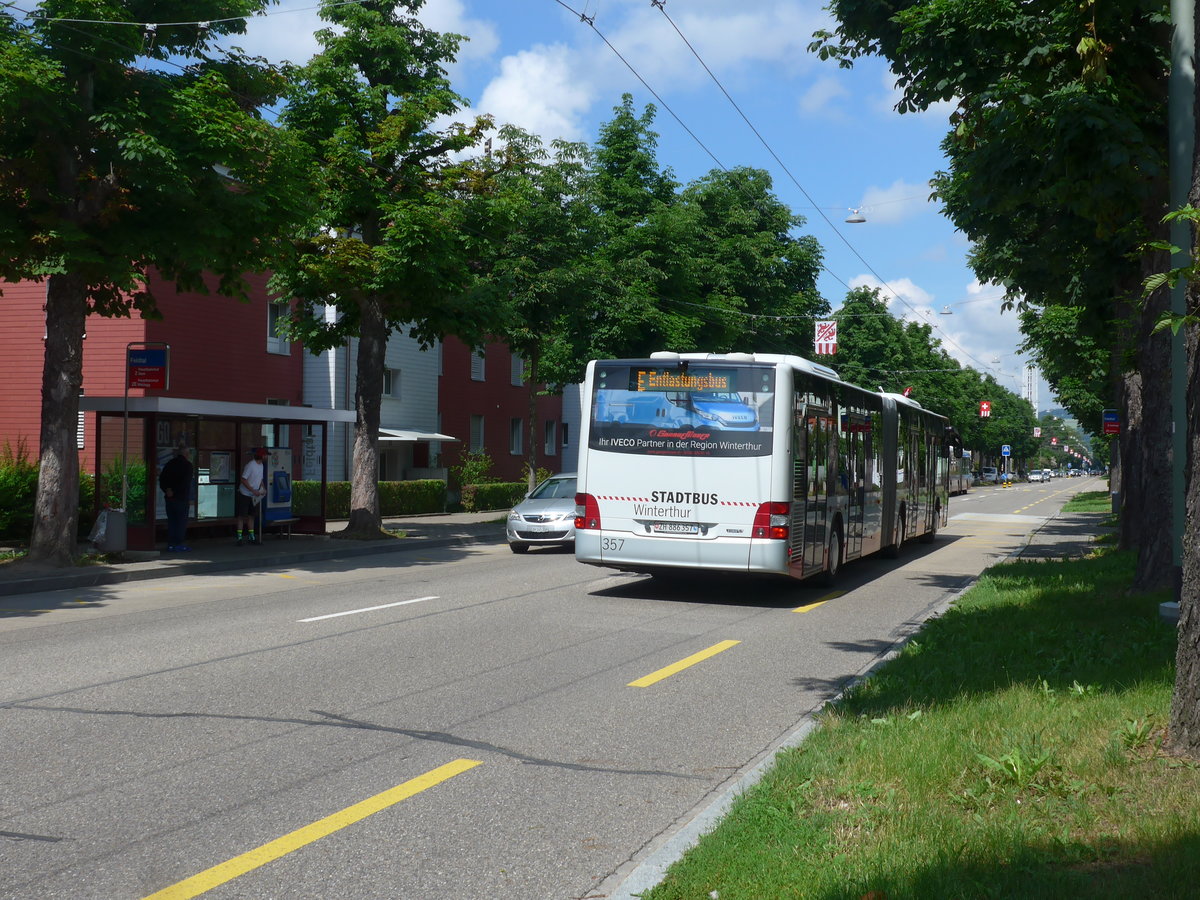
(675, 527)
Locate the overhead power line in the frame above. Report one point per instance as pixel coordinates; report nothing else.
(660, 5)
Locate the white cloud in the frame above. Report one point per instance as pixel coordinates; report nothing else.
(288, 31)
(450, 17)
(895, 203)
(822, 96)
(538, 90)
(903, 295)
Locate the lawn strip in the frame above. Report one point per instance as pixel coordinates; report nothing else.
(1011, 750)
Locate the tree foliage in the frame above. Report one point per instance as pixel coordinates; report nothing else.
(118, 155)
(385, 246)
(1057, 174)
(596, 252)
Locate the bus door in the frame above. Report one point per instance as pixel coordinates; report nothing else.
(852, 469)
(814, 431)
(918, 477)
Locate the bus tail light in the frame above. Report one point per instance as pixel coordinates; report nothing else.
(587, 513)
(772, 521)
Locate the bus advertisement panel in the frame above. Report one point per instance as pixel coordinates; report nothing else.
(682, 411)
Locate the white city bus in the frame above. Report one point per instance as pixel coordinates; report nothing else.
(751, 463)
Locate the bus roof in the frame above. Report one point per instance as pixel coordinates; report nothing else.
(795, 362)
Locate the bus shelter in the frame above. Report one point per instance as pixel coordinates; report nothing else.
(135, 437)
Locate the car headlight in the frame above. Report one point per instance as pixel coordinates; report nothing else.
(514, 516)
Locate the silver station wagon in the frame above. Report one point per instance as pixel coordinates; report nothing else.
(546, 517)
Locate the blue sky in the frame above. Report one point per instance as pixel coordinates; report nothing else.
(839, 143)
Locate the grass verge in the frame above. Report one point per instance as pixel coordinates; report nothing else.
(1013, 749)
(1089, 501)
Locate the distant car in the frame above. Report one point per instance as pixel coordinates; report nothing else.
(1037, 475)
(546, 517)
(989, 475)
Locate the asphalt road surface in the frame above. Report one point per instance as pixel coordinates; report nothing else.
(460, 723)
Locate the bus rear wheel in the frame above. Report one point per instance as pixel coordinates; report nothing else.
(829, 576)
(931, 535)
(893, 551)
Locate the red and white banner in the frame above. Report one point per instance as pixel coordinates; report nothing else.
(825, 339)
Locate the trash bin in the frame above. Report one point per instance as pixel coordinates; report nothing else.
(111, 537)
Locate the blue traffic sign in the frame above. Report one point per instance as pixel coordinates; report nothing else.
(1006, 450)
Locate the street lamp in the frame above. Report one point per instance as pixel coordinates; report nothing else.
(856, 217)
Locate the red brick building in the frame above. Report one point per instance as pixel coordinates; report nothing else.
(483, 399)
(233, 385)
(221, 349)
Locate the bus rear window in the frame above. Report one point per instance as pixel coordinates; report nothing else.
(674, 411)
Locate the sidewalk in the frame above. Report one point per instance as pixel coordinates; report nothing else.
(211, 555)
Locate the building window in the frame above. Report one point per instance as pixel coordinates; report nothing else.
(391, 383)
(518, 371)
(476, 434)
(516, 435)
(566, 441)
(276, 315)
(477, 370)
(550, 444)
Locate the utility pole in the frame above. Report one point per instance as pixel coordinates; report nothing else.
(1181, 97)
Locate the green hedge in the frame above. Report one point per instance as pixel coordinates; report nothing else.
(396, 498)
(500, 495)
(18, 492)
(18, 488)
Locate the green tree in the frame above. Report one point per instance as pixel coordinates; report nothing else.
(878, 351)
(756, 281)
(122, 151)
(542, 266)
(385, 246)
(1057, 174)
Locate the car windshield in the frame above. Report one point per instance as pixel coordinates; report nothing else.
(554, 488)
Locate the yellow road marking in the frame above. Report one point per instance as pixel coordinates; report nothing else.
(667, 672)
(833, 595)
(260, 856)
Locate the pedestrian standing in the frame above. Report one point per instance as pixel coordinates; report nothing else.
(251, 489)
(175, 480)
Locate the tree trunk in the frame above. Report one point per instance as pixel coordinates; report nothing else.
(365, 521)
(1183, 730)
(56, 507)
(1146, 457)
(531, 384)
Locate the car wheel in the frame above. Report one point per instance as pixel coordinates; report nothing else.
(519, 548)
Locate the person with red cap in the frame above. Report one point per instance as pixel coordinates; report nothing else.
(251, 489)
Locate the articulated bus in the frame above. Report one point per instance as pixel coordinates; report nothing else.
(772, 465)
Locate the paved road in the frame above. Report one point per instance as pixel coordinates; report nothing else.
(452, 723)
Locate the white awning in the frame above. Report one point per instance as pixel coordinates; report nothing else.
(214, 409)
(409, 434)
